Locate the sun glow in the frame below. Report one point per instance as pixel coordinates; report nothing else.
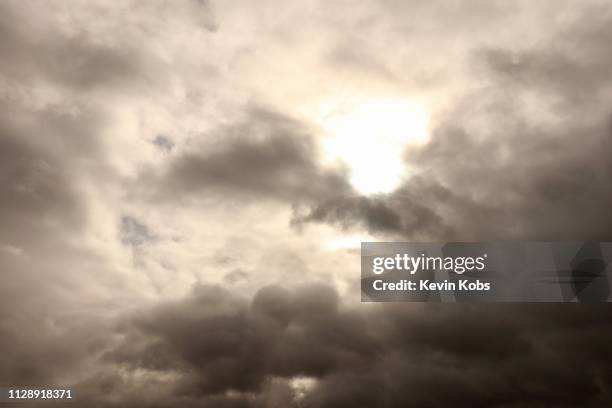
(370, 136)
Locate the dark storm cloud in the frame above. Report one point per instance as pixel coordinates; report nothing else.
(503, 356)
(349, 210)
(529, 183)
(405, 216)
(266, 155)
(228, 343)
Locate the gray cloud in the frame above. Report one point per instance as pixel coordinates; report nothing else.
(510, 356)
(266, 155)
(35, 51)
(520, 149)
(271, 156)
(493, 170)
(512, 176)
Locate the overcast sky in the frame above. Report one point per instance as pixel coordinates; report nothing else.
(184, 186)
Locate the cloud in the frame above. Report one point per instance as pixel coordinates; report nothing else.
(33, 50)
(527, 179)
(146, 148)
(528, 155)
(265, 155)
(216, 345)
(270, 156)
(525, 154)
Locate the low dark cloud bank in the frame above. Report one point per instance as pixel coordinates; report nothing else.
(222, 350)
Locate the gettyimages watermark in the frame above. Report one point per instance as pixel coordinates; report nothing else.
(486, 272)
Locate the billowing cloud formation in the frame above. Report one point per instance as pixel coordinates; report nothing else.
(526, 155)
(519, 155)
(267, 155)
(162, 163)
(218, 349)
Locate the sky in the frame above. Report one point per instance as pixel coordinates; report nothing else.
(184, 186)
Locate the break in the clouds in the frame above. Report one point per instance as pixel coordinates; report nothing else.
(183, 184)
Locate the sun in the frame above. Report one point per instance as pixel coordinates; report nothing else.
(370, 135)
